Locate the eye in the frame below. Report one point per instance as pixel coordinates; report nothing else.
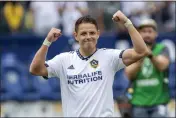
(150, 31)
(83, 33)
(92, 33)
(144, 31)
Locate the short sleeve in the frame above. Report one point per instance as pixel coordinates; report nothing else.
(54, 66)
(116, 56)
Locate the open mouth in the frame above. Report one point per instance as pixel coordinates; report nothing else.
(148, 42)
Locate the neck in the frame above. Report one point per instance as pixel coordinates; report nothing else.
(87, 52)
(151, 46)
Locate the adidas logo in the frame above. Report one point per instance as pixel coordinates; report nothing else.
(71, 67)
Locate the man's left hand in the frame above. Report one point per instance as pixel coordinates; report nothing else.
(119, 17)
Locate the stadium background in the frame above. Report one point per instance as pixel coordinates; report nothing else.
(25, 95)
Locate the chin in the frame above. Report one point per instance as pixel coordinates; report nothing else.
(89, 46)
(148, 42)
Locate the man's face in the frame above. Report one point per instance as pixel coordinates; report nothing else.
(87, 35)
(148, 34)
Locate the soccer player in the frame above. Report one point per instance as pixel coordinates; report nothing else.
(87, 74)
(149, 76)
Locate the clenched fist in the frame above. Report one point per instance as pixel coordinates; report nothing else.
(53, 35)
(119, 17)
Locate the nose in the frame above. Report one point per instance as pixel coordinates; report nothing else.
(147, 35)
(88, 36)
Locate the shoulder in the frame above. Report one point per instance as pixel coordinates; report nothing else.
(105, 49)
(62, 57)
(66, 54)
(109, 50)
(161, 49)
(160, 45)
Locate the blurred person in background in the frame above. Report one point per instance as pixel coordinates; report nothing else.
(96, 11)
(28, 19)
(45, 16)
(12, 16)
(86, 76)
(149, 76)
(135, 11)
(3, 25)
(102, 14)
(167, 16)
(163, 12)
(70, 12)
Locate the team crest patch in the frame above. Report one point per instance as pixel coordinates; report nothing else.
(94, 63)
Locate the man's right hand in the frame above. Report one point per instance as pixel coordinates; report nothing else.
(53, 35)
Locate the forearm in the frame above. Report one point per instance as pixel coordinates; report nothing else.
(39, 59)
(139, 50)
(138, 43)
(132, 70)
(37, 66)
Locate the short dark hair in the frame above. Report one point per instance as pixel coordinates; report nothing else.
(85, 19)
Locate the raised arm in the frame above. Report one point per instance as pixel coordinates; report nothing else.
(37, 66)
(140, 49)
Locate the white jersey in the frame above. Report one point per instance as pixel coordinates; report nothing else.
(86, 83)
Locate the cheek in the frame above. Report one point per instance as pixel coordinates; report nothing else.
(81, 39)
(153, 36)
(81, 42)
(146, 35)
(142, 34)
(96, 40)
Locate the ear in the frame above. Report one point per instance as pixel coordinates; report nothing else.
(75, 35)
(156, 34)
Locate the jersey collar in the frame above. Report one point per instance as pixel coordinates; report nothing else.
(82, 57)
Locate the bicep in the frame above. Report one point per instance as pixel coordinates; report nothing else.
(130, 56)
(44, 72)
(54, 66)
(41, 71)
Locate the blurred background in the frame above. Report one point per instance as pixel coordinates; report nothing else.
(24, 26)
